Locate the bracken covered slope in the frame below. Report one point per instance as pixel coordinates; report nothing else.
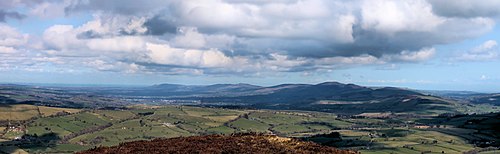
(236, 143)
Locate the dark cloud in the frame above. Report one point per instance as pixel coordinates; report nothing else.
(264, 30)
(127, 7)
(240, 36)
(88, 35)
(466, 8)
(159, 25)
(370, 35)
(6, 14)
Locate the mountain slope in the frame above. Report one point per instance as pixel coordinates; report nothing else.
(493, 99)
(328, 97)
(305, 93)
(340, 98)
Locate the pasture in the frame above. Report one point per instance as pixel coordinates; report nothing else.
(83, 129)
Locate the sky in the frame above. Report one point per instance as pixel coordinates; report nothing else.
(419, 44)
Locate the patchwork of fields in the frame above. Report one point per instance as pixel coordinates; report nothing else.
(82, 129)
(25, 112)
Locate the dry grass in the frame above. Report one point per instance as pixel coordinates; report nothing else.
(48, 111)
(222, 118)
(18, 112)
(25, 111)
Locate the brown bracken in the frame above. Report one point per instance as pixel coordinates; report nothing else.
(220, 144)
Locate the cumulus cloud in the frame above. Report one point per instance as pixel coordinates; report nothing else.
(189, 38)
(102, 34)
(486, 51)
(7, 50)
(102, 65)
(166, 55)
(11, 39)
(412, 56)
(245, 37)
(317, 28)
(395, 16)
(50, 9)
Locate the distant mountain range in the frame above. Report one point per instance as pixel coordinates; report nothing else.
(297, 92)
(307, 93)
(328, 97)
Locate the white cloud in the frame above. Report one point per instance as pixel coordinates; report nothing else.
(12, 41)
(120, 44)
(221, 36)
(484, 52)
(216, 14)
(412, 56)
(393, 16)
(7, 50)
(389, 67)
(299, 10)
(61, 37)
(326, 29)
(10, 37)
(484, 77)
(113, 66)
(359, 60)
(50, 9)
(100, 34)
(485, 47)
(283, 63)
(166, 55)
(189, 37)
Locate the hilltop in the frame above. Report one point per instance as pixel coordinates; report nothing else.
(235, 143)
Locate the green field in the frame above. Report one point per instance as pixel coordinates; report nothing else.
(89, 128)
(398, 140)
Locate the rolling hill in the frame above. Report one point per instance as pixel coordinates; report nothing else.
(493, 99)
(332, 97)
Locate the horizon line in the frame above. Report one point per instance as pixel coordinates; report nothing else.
(147, 85)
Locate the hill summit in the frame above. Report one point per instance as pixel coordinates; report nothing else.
(235, 143)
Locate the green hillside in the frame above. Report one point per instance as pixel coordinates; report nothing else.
(89, 128)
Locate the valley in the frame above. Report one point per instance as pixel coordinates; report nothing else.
(250, 76)
(387, 120)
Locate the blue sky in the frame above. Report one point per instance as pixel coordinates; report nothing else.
(420, 44)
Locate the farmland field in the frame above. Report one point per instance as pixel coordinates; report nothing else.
(25, 112)
(82, 129)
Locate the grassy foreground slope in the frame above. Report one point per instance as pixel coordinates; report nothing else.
(238, 143)
(71, 132)
(88, 128)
